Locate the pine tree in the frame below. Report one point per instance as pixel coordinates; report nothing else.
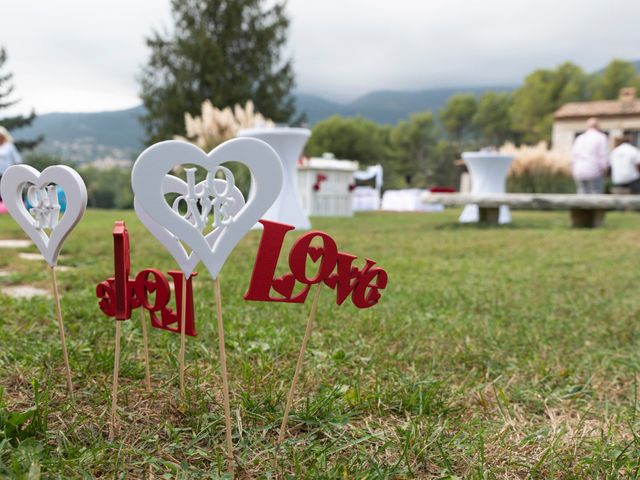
(17, 121)
(225, 51)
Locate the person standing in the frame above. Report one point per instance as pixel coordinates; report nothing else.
(589, 160)
(9, 154)
(625, 159)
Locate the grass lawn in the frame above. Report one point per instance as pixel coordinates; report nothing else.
(494, 353)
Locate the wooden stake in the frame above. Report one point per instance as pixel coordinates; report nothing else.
(296, 374)
(183, 329)
(145, 341)
(223, 368)
(56, 296)
(114, 392)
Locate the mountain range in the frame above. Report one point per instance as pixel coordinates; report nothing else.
(385, 106)
(82, 137)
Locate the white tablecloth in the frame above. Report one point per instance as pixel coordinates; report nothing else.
(364, 199)
(488, 175)
(288, 143)
(407, 200)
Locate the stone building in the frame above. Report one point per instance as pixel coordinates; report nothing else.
(617, 117)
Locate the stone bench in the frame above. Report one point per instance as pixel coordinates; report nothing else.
(587, 211)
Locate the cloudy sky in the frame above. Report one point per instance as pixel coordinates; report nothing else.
(80, 55)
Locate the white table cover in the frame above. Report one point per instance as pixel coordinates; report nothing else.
(488, 175)
(288, 143)
(407, 200)
(364, 199)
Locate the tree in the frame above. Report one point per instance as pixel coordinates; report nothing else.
(413, 144)
(444, 172)
(14, 122)
(225, 51)
(542, 93)
(353, 138)
(457, 114)
(616, 75)
(492, 119)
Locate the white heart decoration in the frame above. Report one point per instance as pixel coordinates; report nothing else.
(11, 188)
(152, 166)
(187, 262)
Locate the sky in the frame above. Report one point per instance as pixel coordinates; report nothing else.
(80, 55)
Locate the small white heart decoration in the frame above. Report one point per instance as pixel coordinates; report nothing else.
(44, 200)
(153, 165)
(186, 262)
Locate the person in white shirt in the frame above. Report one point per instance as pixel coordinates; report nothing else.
(589, 160)
(625, 159)
(9, 154)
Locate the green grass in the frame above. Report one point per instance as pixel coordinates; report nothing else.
(494, 353)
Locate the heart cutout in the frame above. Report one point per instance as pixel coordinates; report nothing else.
(315, 253)
(12, 185)
(171, 184)
(373, 296)
(153, 165)
(284, 285)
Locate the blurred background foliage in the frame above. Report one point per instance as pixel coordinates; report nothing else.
(419, 152)
(106, 188)
(182, 90)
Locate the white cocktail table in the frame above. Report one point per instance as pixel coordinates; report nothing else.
(288, 143)
(488, 175)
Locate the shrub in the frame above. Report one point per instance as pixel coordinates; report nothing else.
(536, 169)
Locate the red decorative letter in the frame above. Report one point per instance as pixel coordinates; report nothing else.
(169, 317)
(119, 295)
(265, 265)
(302, 248)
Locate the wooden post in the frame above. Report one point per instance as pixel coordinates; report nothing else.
(490, 215)
(63, 342)
(296, 373)
(113, 429)
(145, 342)
(223, 368)
(183, 329)
(587, 218)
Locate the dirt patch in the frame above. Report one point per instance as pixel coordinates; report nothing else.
(32, 257)
(25, 291)
(9, 243)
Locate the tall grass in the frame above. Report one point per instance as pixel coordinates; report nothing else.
(536, 169)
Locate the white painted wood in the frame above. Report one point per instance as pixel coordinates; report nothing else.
(187, 261)
(148, 178)
(45, 210)
(334, 197)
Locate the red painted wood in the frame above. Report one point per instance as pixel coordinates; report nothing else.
(334, 268)
(150, 290)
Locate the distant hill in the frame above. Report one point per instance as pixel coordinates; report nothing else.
(82, 137)
(385, 106)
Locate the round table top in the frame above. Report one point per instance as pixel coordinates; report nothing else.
(486, 156)
(295, 131)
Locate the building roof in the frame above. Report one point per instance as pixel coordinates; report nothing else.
(626, 105)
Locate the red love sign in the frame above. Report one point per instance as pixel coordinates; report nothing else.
(150, 290)
(332, 267)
